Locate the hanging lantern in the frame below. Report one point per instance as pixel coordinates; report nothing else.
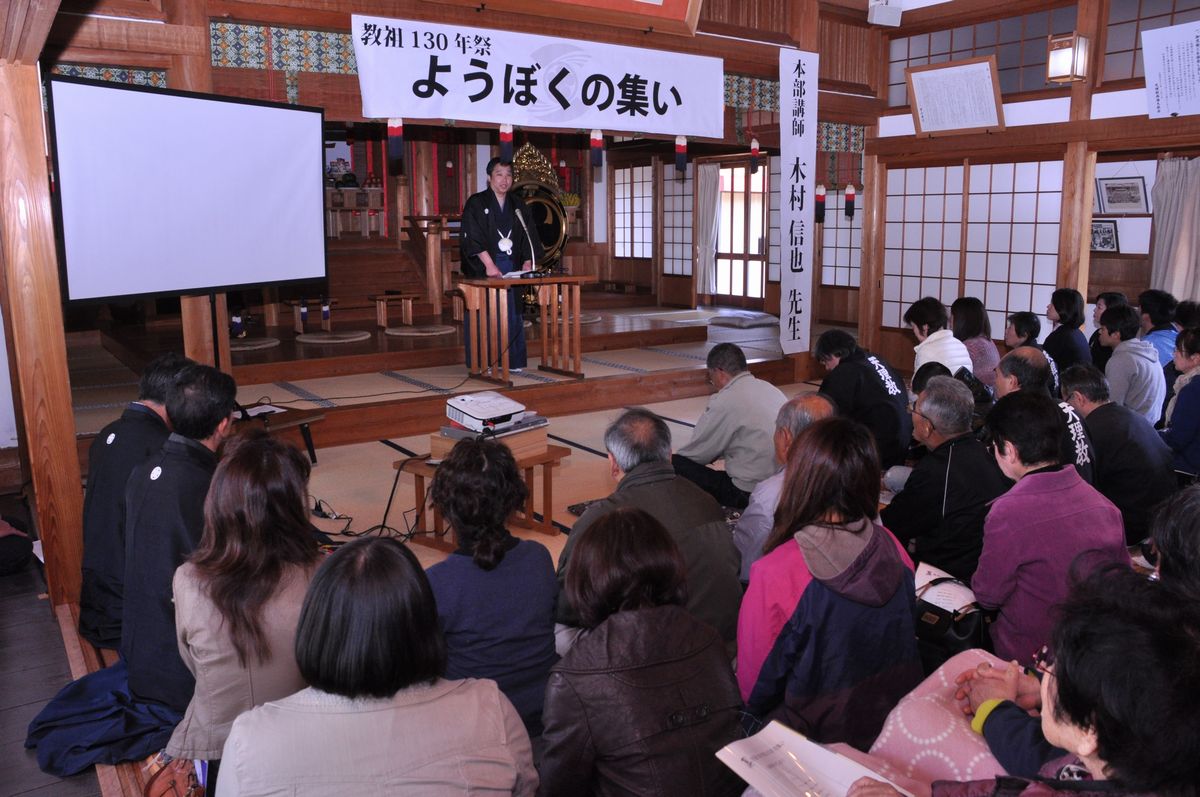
(395, 145)
(819, 204)
(597, 149)
(681, 154)
(506, 142)
(754, 156)
(849, 200)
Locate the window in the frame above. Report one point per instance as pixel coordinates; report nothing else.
(677, 220)
(1010, 256)
(1019, 44)
(1126, 21)
(742, 231)
(633, 211)
(841, 248)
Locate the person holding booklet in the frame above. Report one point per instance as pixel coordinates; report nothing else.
(1119, 698)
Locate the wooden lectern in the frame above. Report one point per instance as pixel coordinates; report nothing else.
(486, 303)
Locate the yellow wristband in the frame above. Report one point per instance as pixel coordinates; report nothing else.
(981, 714)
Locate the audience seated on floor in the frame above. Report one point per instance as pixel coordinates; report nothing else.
(496, 594)
(639, 456)
(645, 698)
(1104, 300)
(941, 509)
(1135, 378)
(867, 389)
(378, 717)
(1182, 418)
(1176, 536)
(758, 519)
(826, 641)
(238, 598)
(736, 427)
(928, 321)
(164, 522)
(1049, 525)
(1134, 468)
(1027, 369)
(970, 324)
(121, 445)
(1066, 344)
(1022, 329)
(1187, 316)
(1122, 667)
(1157, 309)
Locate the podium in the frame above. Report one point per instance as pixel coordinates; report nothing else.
(486, 304)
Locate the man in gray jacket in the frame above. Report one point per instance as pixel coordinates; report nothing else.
(1134, 375)
(639, 454)
(737, 426)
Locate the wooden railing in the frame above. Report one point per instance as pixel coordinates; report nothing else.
(433, 240)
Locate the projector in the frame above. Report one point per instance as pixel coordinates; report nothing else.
(484, 411)
(883, 14)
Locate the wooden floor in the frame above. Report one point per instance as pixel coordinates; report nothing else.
(33, 667)
(290, 360)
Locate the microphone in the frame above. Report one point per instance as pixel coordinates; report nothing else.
(521, 218)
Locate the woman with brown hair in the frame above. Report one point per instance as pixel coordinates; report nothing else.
(826, 642)
(645, 698)
(238, 598)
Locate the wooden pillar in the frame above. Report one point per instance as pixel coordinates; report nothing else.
(1075, 225)
(34, 331)
(870, 286)
(422, 180)
(194, 73)
(401, 201)
(1079, 164)
(433, 266)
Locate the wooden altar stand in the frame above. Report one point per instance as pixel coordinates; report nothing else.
(486, 304)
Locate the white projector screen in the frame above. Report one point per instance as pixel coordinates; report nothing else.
(167, 192)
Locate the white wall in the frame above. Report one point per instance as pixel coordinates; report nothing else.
(8, 414)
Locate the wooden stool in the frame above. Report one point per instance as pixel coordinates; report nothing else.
(298, 315)
(382, 300)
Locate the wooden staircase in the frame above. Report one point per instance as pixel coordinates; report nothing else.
(358, 270)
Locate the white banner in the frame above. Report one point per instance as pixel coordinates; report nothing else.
(1172, 64)
(422, 70)
(797, 162)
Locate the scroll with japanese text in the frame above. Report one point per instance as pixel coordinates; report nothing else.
(423, 70)
(797, 162)
(1172, 59)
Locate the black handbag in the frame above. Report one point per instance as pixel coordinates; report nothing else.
(942, 634)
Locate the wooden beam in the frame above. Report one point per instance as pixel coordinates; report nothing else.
(23, 29)
(70, 30)
(1129, 133)
(81, 55)
(34, 330)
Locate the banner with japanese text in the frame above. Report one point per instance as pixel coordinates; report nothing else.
(797, 163)
(423, 70)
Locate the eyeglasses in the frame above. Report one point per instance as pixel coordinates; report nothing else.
(912, 408)
(1043, 660)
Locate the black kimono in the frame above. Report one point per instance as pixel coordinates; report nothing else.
(164, 520)
(486, 227)
(121, 445)
(870, 391)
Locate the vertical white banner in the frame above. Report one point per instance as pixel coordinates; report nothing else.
(798, 161)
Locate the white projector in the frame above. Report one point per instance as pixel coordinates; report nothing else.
(484, 411)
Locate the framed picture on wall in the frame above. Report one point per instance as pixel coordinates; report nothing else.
(1122, 194)
(1104, 236)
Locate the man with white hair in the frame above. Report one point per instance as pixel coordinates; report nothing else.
(941, 510)
(756, 522)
